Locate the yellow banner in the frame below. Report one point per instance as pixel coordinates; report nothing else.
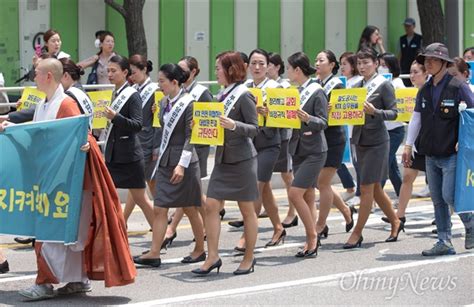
(100, 99)
(30, 97)
(207, 129)
(259, 97)
(282, 106)
(156, 116)
(347, 107)
(406, 98)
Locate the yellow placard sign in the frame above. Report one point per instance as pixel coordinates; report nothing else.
(156, 116)
(406, 98)
(347, 107)
(283, 104)
(207, 129)
(100, 99)
(257, 93)
(30, 97)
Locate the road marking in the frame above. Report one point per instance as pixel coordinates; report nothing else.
(298, 282)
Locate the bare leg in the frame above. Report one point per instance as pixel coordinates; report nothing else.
(142, 200)
(385, 204)
(2, 257)
(288, 179)
(326, 196)
(177, 217)
(409, 176)
(129, 206)
(250, 232)
(198, 230)
(366, 200)
(212, 225)
(297, 197)
(310, 199)
(159, 230)
(269, 203)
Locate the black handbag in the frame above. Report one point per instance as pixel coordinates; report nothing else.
(93, 78)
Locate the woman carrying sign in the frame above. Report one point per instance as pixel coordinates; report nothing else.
(200, 93)
(308, 147)
(326, 68)
(177, 171)
(276, 68)
(123, 152)
(267, 143)
(234, 176)
(372, 146)
(140, 71)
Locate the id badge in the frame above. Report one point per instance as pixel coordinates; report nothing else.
(448, 103)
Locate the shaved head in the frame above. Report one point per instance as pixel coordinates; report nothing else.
(53, 66)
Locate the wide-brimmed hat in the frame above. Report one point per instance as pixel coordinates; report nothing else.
(435, 50)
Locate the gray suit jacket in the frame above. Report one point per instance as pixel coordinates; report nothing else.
(238, 144)
(180, 138)
(374, 132)
(310, 138)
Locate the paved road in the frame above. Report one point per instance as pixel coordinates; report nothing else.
(377, 273)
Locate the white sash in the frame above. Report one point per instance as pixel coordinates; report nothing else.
(232, 98)
(308, 92)
(85, 102)
(146, 93)
(197, 91)
(117, 105)
(267, 83)
(331, 84)
(373, 85)
(170, 123)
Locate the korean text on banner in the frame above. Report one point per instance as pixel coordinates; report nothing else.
(100, 99)
(41, 191)
(207, 129)
(156, 116)
(347, 107)
(406, 98)
(30, 97)
(283, 105)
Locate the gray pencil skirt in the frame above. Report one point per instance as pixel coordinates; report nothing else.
(306, 170)
(234, 181)
(267, 159)
(373, 162)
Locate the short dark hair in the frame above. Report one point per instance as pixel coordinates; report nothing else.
(122, 62)
(301, 60)
(174, 72)
(260, 51)
(72, 69)
(332, 59)
(367, 53)
(352, 60)
(276, 60)
(244, 57)
(392, 63)
(141, 62)
(233, 65)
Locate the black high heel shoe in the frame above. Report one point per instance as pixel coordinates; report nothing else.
(217, 265)
(281, 239)
(189, 259)
(324, 233)
(351, 224)
(357, 244)
(386, 220)
(154, 262)
(222, 213)
(4, 268)
(168, 241)
(309, 253)
(294, 222)
(248, 271)
(395, 238)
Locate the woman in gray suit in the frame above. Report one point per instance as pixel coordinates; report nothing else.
(177, 174)
(308, 147)
(234, 176)
(372, 146)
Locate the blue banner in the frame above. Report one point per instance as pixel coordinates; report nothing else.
(41, 178)
(464, 193)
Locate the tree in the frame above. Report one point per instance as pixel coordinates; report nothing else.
(432, 21)
(132, 13)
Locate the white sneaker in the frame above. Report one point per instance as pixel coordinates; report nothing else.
(38, 292)
(423, 193)
(347, 195)
(354, 201)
